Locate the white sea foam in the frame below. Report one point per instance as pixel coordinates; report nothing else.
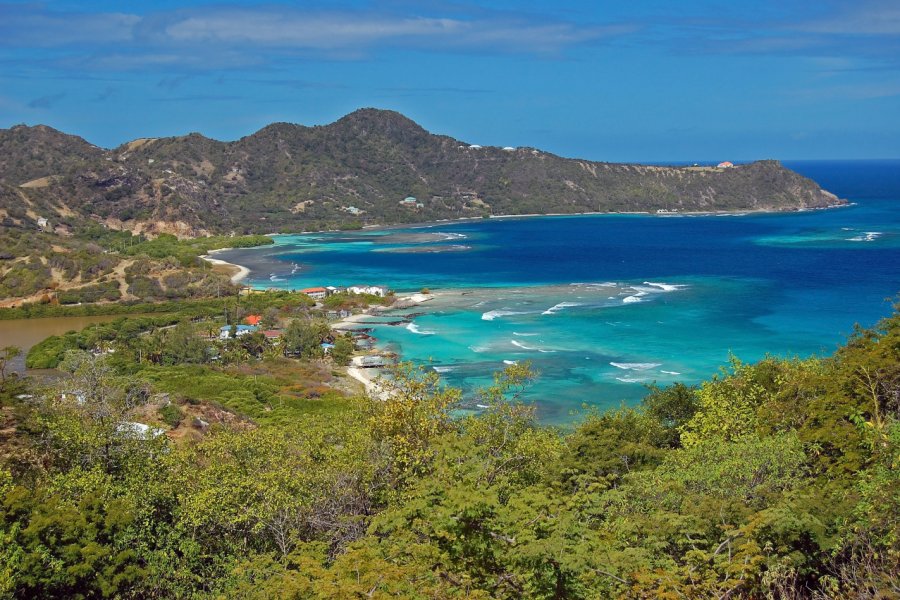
(867, 236)
(510, 362)
(560, 306)
(631, 379)
(670, 372)
(666, 287)
(595, 284)
(495, 314)
(415, 329)
(478, 349)
(635, 366)
(443, 369)
(634, 298)
(524, 347)
(453, 236)
(524, 334)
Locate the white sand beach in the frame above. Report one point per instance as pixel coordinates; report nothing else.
(238, 272)
(368, 377)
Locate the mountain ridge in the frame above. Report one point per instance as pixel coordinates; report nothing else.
(352, 172)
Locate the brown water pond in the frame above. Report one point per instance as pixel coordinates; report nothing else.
(25, 333)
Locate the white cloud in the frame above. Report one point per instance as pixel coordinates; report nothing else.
(322, 31)
(31, 26)
(862, 18)
(162, 35)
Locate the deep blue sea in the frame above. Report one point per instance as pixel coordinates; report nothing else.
(603, 305)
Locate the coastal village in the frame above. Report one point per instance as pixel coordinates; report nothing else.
(339, 313)
(320, 329)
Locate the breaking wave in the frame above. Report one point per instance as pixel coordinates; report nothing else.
(635, 366)
(524, 347)
(560, 306)
(415, 329)
(666, 287)
(495, 314)
(866, 236)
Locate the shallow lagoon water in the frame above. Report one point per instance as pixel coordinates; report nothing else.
(603, 305)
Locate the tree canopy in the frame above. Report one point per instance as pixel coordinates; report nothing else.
(779, 479)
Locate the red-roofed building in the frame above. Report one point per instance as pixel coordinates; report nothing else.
(725, 165)
(316, 293)
(252, 319)
(272, 334)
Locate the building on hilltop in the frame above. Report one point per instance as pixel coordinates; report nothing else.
(411, 202)
(725, 165)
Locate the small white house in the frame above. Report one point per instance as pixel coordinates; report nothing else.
(225, 331)
(374, 290)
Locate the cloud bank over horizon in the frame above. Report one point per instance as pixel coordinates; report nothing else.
(591, 79)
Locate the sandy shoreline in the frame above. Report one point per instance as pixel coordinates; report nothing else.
(368, 376)
(237, 272)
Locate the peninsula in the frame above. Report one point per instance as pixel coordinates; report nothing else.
(369, 167)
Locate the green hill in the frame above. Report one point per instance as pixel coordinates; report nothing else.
(357, 170)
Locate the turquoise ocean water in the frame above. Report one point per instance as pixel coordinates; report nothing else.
(603, 305)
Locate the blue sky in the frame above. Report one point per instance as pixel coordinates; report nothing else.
(647, 80)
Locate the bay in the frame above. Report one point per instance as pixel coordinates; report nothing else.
(603, 305)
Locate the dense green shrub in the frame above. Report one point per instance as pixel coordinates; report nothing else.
(91, 293)
(171, 415)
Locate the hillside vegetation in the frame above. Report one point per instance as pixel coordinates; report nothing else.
(357, 170)
(779, 479)
(81, 224)
(95, 264)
